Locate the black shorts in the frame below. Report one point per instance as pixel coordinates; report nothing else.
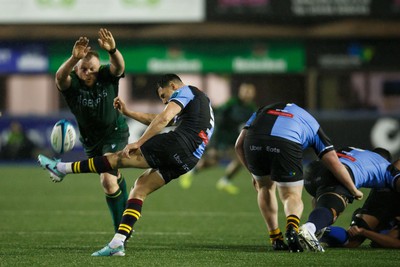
(318, 180)
(383, 204)
(166, 153)
(278, 157)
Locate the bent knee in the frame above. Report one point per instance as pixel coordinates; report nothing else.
(109, 182)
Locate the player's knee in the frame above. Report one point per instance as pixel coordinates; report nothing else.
(109, 182)
(113, 159)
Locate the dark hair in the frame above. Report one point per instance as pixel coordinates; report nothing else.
(166, 78)
(383, 152)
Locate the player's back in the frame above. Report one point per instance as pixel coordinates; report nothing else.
(369, 168)
(287, 121)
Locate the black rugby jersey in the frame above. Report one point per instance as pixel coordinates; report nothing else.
(196, 120)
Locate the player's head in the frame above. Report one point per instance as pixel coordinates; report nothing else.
(88, 68)
(247, 92)
(167, 85)
(167, 79)
(383, 152)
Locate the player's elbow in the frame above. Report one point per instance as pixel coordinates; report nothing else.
(163, 120)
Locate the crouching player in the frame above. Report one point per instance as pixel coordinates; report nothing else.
(377, 220)
(369, 169)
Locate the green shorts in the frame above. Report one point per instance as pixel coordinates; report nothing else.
(115, 142)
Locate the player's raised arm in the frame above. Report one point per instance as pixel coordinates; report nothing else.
(79, 51)
(107, 42)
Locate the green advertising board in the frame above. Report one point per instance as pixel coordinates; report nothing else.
(202, 57)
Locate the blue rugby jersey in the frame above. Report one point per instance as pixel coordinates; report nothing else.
(196, 120)
(369, 169)
(290, 122)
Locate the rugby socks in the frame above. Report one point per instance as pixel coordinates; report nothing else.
(275, 235)
(321, 217)
(335, 237)
(116, 202)
(130, 216)
(94, 165)
(292, 221)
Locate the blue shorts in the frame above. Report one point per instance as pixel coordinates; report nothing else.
(169, 155)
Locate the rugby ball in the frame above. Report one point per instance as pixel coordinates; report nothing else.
(63, 136)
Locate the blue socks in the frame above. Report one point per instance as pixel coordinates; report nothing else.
(335, 237)
(321, 218)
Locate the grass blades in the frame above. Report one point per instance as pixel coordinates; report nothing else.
(48, 224)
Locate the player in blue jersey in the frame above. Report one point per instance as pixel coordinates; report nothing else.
(368, 169)
(166, 156)
(271, 147)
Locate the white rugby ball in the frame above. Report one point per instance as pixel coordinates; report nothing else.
(63, 136)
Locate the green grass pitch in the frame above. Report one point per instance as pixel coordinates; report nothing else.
(47, 224)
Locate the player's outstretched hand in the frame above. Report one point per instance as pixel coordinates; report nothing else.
(81, 48)
(106, 40)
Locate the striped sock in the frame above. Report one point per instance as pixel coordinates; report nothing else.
(131, 214)
(275, 235)
(292, 221)
(95, 165)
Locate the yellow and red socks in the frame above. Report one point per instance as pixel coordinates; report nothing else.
(130, 216)
(292, 221)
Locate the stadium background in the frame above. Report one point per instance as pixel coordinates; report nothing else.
(339, 59)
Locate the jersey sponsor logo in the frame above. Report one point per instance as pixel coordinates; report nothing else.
(279, 113)
(180, 162)
(272, 149)
(91, 101)
(341, 155)
(255, 148)
(203, 137)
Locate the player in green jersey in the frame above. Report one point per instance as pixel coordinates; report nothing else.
(89, 89)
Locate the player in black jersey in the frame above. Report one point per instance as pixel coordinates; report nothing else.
(166, 156)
